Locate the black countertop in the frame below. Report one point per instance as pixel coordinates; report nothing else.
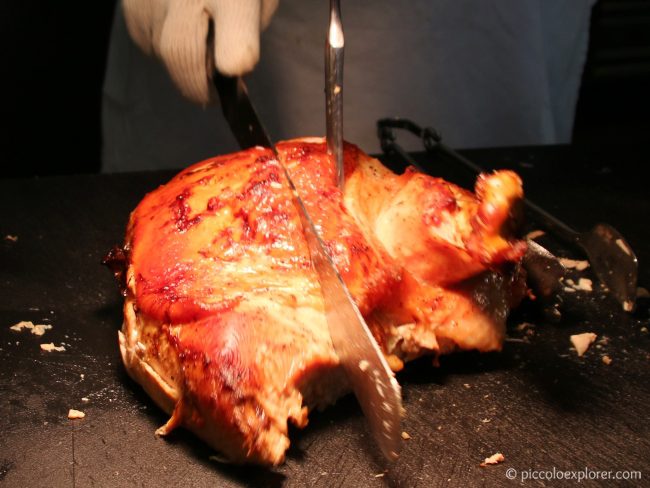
(536, 402)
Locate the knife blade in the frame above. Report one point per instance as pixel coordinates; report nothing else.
(366, 368)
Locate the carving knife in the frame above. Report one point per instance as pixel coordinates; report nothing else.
(370, 377)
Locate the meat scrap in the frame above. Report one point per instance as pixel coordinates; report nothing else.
(493, 459)
(36, 329)
(22, 325)
(75, 414)
(51, 347)
(581, 342)
(574, 264)
(583, 284)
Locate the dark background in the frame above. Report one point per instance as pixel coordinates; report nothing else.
(54, 55)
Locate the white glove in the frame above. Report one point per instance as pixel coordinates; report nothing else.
(177, 32)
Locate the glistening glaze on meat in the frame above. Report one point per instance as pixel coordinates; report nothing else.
(224, 323)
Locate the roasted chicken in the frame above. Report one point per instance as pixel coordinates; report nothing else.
(224, 324)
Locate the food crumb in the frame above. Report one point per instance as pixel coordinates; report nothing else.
(75, 414)
(486, 421)
(467, 385)
(21, 325)
(644, 330)
(406, 436)
(51, 347)
(581, 342)
(574, 264)
(607, 360)
(11, 238)
(82, 376)
(85, 399)
(493, 459)
(380, 475)
(584, 284)
(36, 329)
(39, 329)
(628, 305)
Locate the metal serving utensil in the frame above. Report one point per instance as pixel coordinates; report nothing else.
(372, 380)
(334, 49)
(611, 257)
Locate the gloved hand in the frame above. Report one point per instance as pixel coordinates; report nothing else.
(181, 31)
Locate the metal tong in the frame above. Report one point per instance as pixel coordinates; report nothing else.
(611, 257)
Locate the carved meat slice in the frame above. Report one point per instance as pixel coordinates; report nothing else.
(223, 319)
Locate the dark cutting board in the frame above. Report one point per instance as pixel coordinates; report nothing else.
(536, 402)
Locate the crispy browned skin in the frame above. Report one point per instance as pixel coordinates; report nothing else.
(224, 324)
